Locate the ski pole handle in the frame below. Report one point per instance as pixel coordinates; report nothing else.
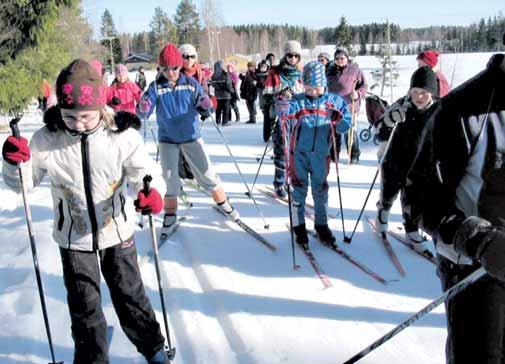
(147, 181)
(14, 127)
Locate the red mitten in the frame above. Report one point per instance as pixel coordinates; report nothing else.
(16, 150)
(150, 204)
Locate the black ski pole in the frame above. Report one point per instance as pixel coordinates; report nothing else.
(284, 131)
(261, 163)
(171, 350)
(451, 292)
(265, 225)
(373, 181)
(15, 132)
(335, 157)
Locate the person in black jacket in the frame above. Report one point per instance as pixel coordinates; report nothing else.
(411, 112)
(456, 192)
(248, 90)
(223, 90)
(261, 76)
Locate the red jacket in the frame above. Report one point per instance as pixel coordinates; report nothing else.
(443, 85)
(128, 93)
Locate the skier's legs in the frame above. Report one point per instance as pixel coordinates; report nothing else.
(251, 108)
(81, 275)
(319, 168)
(475, 317)
(201, 167)
(121, 272)
(278, 144)
(169, 157)
(355, 152)
(300, 184)
(219, 111)
(226, 111)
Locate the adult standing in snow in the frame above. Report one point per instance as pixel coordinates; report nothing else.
(270, 58)
(430, 58)
(456, 191)
(140, 79)
(249, 91)
(310, 117)
(412, 113)
(347, 80)
(123, 94)
(282, 83)
(234, 97)
(90, 157)
(261, 76)
(180, 102)
(223, 90)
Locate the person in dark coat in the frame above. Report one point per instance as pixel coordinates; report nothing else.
(456, 193)
(249, 91)
(223, 90)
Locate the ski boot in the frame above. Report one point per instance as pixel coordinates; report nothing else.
(381, 221)
(227, 208)
(325, 235)
(418, 241)
(301, 236)
(160, 357)
(280, 191)
(169, 221)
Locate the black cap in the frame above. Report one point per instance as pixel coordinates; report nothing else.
(425, 78)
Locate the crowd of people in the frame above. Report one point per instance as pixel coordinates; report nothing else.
(442, 150)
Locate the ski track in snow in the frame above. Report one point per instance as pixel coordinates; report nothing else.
(229, 299)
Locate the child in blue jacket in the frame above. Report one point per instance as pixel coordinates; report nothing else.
(309, 119)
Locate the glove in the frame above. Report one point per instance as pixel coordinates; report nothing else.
(116, 101)
(144, 105)
(16, 150)
(150, 204)
(477, 238)
(335, 116)
(281, 106)
(397, 113)
(204, 113)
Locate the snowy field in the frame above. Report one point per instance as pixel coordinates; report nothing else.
(231, 300)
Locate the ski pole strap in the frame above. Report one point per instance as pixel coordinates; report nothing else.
(147, 182)
(14, 127)
(451, 292)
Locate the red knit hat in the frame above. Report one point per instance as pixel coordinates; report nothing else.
(79, 87)
(429, 57)
(170, 56)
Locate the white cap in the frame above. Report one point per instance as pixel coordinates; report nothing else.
(187, 49)
(292, 46)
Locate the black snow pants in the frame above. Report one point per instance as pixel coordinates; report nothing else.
(475, 317)
(81, 273)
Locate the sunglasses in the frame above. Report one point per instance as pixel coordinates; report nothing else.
(292, 55)
(168, 68)
(186, 56)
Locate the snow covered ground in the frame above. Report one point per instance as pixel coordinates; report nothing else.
(231, 300)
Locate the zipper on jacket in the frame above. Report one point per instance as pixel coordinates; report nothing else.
(317, 123)
(87, 189)
(60, 211)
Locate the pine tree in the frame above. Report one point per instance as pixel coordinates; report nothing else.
(162, 31)
(110, 39)
(36, 50)
(187, 23)
(343, 36)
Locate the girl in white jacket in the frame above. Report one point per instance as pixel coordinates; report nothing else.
(90, 157)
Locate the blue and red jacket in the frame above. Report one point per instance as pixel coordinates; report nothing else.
(176, 109)
(310, 121)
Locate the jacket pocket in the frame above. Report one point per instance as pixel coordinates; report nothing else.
(61, 218)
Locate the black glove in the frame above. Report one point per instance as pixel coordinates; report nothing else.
(204, 113)
(477, 238)
(116, 101)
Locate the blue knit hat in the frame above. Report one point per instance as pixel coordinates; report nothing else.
(314, 74)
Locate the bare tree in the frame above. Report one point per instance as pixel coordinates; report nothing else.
(212, 20)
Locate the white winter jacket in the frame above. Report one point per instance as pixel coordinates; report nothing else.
(88, 176)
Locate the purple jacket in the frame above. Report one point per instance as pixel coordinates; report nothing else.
(342, 80)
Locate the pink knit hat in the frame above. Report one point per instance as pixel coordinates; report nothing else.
(121, 70)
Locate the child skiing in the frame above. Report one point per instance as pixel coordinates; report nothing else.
(311, 118)
(283, 80)
(123, 94)
(90, 157)
(411, 112)
(180, 102)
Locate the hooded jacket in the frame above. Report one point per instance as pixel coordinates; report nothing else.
(94, 167)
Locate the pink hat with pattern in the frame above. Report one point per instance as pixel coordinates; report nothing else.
(79, 87)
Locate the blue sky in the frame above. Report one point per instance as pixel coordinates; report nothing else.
(134, 16)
